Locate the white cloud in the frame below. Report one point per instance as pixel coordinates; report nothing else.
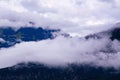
(77, 17)
(62, 51)
(2, 40)
(63, 14)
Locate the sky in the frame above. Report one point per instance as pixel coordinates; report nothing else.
(77, 17)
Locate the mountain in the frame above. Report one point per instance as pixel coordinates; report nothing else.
(112, 34)
(10, 37)
(36, 71)
(115, 34)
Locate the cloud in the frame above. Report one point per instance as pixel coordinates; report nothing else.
(2, 40)
(62, 51)
(64, 14)
(77, 17)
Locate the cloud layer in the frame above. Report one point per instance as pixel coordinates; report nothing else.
(74, 16)
(62, 51)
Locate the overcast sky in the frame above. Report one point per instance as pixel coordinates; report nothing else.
(77, 17)
(74, 16)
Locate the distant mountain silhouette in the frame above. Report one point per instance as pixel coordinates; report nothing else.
(112, 34)
(34, 71)
(11, 37)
